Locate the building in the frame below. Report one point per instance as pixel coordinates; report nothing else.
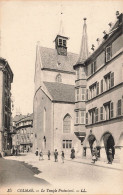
(23, 137)
(6, 78)
(54, 98)
(104, 97)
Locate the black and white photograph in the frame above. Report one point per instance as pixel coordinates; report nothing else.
(61, 97)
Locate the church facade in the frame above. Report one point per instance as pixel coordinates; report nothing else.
(54, 98)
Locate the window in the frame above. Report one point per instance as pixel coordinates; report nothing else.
(102, 86)
(108, 53)
(67, 144)
(83, 73)
(109, 80)
(82, 117)
(77, 117)
(77, 73)
(96, 115)
(83, 90)
(44, 121)
(64, 43)
(94, 90)
(108, 110)
(92, 115)
(119, 107)
(101, 113)
(93, 67)
(59, 78)
(77, 94)
(67, 124)
(60, 42)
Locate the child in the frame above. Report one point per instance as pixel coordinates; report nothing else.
(62, 156)
(49, 154)
(41, 155)
(93, 158)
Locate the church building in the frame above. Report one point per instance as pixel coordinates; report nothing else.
(54, 98)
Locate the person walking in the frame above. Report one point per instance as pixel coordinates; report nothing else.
(56, 155)
(72, 153)
(93, 156)
(49, 154)
(110, 156)
(36, 153)
(41, 155)
(62, 156)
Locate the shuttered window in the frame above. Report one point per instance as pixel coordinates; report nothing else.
(108, 53)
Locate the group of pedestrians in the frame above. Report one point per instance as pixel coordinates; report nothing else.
(40, 154)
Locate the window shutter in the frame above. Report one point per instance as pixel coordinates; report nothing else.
(111, 110)
(92, 68)
(112, 79)
(119, 107)
(97, 88)
(102, 86)
(96, 115)
(86, 94)
(101, 113)
(86, 118)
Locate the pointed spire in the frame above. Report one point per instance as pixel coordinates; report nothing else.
(61, 29)
(84, 45)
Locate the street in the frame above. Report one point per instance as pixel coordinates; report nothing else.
(18, 171)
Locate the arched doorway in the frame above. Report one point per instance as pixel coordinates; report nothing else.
(109, 143)
(92, 142)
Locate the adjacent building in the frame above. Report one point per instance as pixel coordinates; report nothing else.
(54, 98)
(6, 78)
(103, 74)
(23, 137)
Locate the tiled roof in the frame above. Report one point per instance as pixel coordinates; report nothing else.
(21, 117)
(51, 60)
(61, 92)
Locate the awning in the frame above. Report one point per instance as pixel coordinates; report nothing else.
(80, 135)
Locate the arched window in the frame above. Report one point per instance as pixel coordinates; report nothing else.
(44, 121)
(58, 78)
(67, 124)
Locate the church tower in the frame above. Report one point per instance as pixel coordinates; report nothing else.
(80, 87)
(61, 40)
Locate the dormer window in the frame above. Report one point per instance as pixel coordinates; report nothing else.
(108, 53)
(64, 43)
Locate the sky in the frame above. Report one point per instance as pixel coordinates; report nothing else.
(24, 23)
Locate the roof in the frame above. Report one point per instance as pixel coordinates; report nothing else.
(21, 117)
(51, 60)
(61, 92)
(18, 117)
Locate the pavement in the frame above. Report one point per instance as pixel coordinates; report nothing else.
(74, 174)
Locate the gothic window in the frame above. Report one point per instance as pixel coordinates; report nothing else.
(59, 78)
(67, 124)
(44, 120)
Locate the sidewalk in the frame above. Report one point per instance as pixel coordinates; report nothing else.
(116, 166)
(30, 158)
